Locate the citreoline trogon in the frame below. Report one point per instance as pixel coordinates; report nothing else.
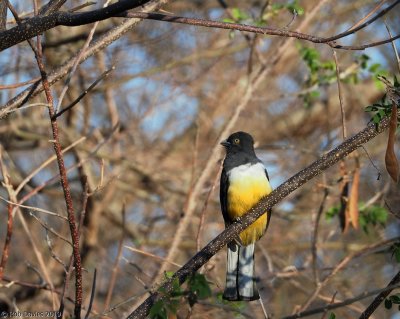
(244, 181)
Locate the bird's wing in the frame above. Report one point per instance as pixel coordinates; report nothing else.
(269, 212)
(266, 173)
(223, 196)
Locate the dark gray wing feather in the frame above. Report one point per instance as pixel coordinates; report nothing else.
(269, 212)
(223, 195)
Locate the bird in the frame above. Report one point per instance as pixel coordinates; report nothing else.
(244, 181)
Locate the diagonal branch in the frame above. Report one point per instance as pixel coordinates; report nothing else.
(382, 295)
(260, 30)
(293, 183)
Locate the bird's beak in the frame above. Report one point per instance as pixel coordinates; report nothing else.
(225, 143)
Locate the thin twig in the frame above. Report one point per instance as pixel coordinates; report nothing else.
(7, 184)
(376, 8)
(263, 308)
(315, 235)
(203, 211)
(17, 85)
(161, 259)
(92, 294)
(50, 229)
(77, 62)
(393, 46)
(114, 272)
(83, 94)
(342, 111)
(53, 254)
(331, 302)
(45, 163)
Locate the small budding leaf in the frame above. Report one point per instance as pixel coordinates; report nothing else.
(158, 311)
(388, 304)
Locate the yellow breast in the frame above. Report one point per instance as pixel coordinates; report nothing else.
(247, 185)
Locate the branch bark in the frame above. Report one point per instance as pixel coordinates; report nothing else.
(3, 14)
(264, 205)
(38, 24)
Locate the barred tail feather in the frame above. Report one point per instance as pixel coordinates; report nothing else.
(240, 280)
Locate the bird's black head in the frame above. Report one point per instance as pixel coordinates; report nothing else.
(239, 142)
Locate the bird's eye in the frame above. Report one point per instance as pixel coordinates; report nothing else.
(236, 141)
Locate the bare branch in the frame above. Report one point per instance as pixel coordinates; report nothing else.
(39, 24)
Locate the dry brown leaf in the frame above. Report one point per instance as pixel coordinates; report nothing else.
(353, 200)
(392, 165)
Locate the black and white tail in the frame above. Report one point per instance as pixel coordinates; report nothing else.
(240, 279)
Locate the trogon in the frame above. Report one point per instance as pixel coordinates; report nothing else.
(244, 181)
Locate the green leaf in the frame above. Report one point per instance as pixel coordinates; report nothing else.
(388, 304)
(373, 215)
(172, 305)
(295, 7)
(364, 61)
(332, 212)
(374, 67)
(396, 251)
(395, 299)
(239, 15)
(376, 119)
(168, 274)
(228, 20)
(236, 14)
(370, 108)
(199, 286)
(314, 94)
(396, 83)
(277, 6)
(158, 310)
(329, 65)
(332, 315)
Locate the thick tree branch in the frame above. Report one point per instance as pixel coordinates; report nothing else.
(3, 14)
(264, 205)
(268, 30)
(51, 6)
(38, 24)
